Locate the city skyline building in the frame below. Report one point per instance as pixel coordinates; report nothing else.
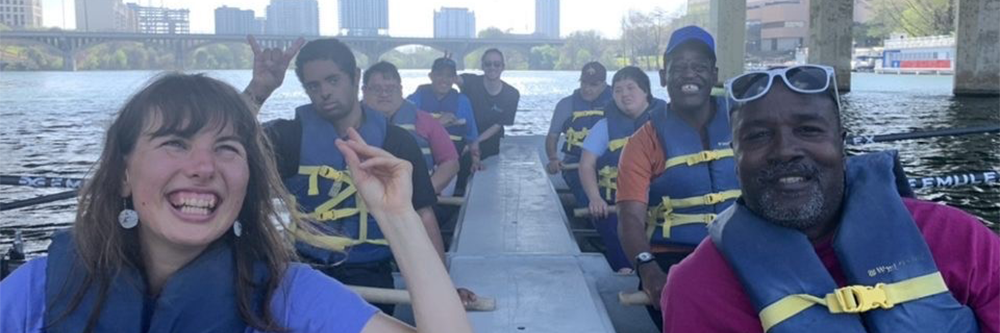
(363, 17)
(292, 17)
(235, 21)
(105, 16)
(783, 25)
(160, 20)
(451, 22)
(547, 18)
(20, 14)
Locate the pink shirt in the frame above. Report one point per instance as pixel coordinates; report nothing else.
(442, 149)
(703, 294)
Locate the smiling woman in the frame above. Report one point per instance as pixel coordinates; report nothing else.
(188, 175)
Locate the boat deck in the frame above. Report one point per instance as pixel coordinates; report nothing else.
(513, 243)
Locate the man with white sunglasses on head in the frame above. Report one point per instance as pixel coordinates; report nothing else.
(819, 242)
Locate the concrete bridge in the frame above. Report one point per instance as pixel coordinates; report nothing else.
(977, 41)
(69, 43)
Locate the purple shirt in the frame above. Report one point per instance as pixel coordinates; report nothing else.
(703, 293)
(306, 301)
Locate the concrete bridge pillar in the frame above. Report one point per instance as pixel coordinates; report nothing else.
(69, 61)
(727, 24)
(830, 37)
(977, 43)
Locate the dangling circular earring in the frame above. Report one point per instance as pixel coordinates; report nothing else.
(128, 218)
(237, 228)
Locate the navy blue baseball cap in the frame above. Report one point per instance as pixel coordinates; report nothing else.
(687, 34)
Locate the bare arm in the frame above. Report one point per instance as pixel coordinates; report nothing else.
(554, 165)
(383, 181)
(430, 223)
(443, 175)
(632, 233)
(588, 179)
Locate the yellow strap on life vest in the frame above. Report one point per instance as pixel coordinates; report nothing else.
(314, 172)
(326, 211)
(455, 138)
(855, 299)
(608, 179)
(575, 138)
(615, 145)
(587, 113)
(665, 211)
(699, 157)
(408, 127)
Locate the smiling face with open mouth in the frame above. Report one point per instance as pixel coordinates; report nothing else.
(188, 190)
(789, 153)
(690, 75)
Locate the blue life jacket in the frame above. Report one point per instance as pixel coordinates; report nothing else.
(200, 297)
(428, 101)
(620, 128)
(697, 183)
(895, 285)
(406, 118)
(325, 191)
(577, 126)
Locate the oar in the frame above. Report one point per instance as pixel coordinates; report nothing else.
(585, 212)
(856, 140)
(634, 298)
(399, 296)
(41, 181)
(38, 200)
(451, 201)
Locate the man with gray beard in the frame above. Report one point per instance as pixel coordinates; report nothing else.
(823, 243)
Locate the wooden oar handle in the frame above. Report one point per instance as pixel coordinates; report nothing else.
(452, 201)
(585, 212)
(399, 296)
(634, 298)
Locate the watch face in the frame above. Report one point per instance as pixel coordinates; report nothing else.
(644, 257)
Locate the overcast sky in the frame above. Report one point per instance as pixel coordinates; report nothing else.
(413, 18)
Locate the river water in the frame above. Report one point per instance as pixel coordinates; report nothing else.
(53, 123)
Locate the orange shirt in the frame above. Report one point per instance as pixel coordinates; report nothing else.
(641, 161)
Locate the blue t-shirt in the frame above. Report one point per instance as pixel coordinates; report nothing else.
(306, 301)
(464, 112)
(597, 139)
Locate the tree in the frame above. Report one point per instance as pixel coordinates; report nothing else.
(914, 17)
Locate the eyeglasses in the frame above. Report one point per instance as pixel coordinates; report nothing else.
(378, 90)
(806, 79)
(496, 64)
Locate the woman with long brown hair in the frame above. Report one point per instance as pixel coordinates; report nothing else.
(176, 232)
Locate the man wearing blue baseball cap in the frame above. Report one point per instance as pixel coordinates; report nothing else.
(676, 172)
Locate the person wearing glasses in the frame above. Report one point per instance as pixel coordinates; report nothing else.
(450, 107)
(676, 172)
(820, 242)
(494, 103)
(314, 170)
(382, 91)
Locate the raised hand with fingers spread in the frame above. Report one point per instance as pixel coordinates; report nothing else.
(269, 67)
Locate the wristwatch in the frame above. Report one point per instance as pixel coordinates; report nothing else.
(643, 258)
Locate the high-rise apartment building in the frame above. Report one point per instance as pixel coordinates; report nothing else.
(364, 17)
(293, 17)
(234, 21)
(105, 15)
(160, 20)
(547, 18)
(454, 23)
(20, 14)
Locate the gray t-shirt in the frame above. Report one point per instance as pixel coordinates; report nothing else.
(564, 110)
